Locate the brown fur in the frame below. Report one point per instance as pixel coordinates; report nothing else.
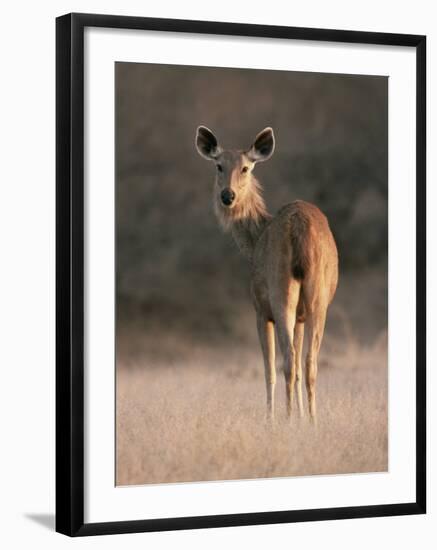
(294, 263)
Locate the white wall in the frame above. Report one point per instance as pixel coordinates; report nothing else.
(27, 213)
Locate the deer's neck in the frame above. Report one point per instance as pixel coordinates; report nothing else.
(247, 220)
(246, 233)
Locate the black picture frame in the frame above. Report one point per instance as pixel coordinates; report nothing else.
(70, 273)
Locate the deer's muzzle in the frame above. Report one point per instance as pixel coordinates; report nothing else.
(227, 196)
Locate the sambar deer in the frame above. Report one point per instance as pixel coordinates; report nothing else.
(293, 257)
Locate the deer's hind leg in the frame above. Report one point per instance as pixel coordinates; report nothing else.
(285, 318)
(298, 346)
(266, 334)
(316, 324)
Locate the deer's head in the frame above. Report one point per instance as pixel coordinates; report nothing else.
(234, 182)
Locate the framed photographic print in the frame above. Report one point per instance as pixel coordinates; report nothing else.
(240, 274)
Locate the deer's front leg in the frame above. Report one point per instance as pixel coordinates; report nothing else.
(266, 333)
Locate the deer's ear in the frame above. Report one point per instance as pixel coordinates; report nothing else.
(263, 146)
(206, 143)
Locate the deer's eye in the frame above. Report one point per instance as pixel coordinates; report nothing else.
(219, 167)
(244, 169)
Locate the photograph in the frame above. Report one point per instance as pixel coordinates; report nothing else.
(251, 229)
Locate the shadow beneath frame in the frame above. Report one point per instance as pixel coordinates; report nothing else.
(46, 520)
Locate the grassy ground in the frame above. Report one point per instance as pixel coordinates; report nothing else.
(203, 418)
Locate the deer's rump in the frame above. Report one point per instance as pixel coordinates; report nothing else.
(297, 244)
(307, 229)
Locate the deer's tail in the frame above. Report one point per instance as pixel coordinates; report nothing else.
(299, 245)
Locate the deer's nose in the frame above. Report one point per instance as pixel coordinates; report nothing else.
(227, 196)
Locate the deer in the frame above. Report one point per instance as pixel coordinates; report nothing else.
(293, 259)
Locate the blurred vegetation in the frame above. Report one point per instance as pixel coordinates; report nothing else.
(174, 265)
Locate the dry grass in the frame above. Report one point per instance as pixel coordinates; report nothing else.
(204, 419)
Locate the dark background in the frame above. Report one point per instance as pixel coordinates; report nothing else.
(178, 275)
